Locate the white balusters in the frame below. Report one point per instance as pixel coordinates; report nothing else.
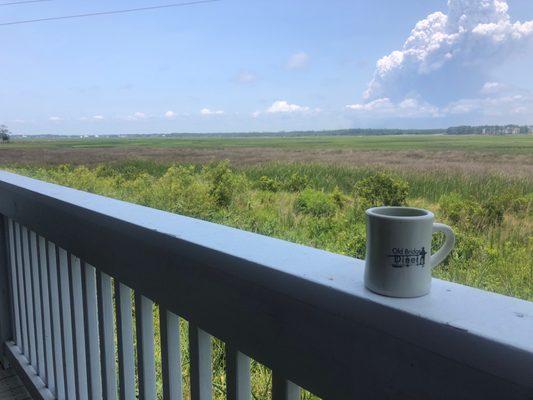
(238, 385)
(55, 313)
(126, 361)
(14, 284)
(283, 389)
(91, 332)
(47, 318)
(66, 325)
(37, 305)
(78, 327)
(200, 350)
(170, 355)
(107, 337)
(144, 318)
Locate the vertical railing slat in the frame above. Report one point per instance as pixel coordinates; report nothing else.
(37, 306)
(170, 355)
(24, 346)
(107, 336)
(90, 308)
(55, 320)
(144, 319)
(7, 309)
(46, 321)
(78, 327)
(200, 350)
(283, 389)
(14, 284)
(28, 290)
(66, 325)
(126, 359)
(238, 385)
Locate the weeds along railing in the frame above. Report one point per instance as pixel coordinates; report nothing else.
(72, 259)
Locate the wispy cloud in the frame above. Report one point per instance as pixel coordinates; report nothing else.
(283, 106)
(170, 114)
(298, 60)
(207, 111)
(136, 116)
(245, 77)
(55, 119)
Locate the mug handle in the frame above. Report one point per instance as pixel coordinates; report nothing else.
(449, 242)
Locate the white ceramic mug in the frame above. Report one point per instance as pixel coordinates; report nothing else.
(398, 250)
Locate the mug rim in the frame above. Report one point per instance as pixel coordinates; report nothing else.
(424, 214)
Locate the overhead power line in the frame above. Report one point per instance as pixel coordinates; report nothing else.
(94, 14)
(13, 3)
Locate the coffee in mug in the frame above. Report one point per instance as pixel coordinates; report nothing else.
(398, 251)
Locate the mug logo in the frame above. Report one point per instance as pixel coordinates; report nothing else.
(402, 258)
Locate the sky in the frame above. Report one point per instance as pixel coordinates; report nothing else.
(239, 66)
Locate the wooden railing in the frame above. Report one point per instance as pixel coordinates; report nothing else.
(71, 262)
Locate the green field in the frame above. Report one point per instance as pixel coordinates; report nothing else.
(522, 144)
(322, 204)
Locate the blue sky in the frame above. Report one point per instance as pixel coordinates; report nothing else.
(266, 66)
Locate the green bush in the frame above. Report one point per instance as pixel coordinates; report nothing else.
(268, 184)
(224, 182)
(382, 189)
(314, 202)
(296, 182)
(469, 214)
(339, 198)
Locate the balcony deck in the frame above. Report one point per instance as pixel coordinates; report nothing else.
(11, 387)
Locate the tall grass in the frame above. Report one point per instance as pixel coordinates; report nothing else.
(429, 185)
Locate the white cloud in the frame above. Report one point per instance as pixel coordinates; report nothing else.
(298, 60)
(136, 116)
(246, 77)
(207, 111)
(55, 119)
(283, 106)
(495, 105)
(170, 114)
(493, 87)
(98, 117)
(448, 56)
(384, 107)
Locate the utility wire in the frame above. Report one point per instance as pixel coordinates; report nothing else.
(13, 3)
(28, 21)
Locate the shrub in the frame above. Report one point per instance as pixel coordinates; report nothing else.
(296, 183)
(268, 184)
(458, 210)
(314, 202)
(470, 214)
(339, 198)
(382, 189)
(492, 211)
(224, 182)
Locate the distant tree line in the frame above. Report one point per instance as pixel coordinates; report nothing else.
(488, 130)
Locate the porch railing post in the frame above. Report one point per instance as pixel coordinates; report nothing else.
(6, 331)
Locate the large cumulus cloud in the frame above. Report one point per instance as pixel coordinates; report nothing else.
(448, 56)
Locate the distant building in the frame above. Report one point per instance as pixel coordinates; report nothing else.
(489, 130)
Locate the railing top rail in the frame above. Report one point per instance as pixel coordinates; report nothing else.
(285, 304)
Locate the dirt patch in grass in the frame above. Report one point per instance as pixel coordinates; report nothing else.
(519, 165)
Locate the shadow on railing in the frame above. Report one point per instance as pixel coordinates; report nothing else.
(80, 274)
